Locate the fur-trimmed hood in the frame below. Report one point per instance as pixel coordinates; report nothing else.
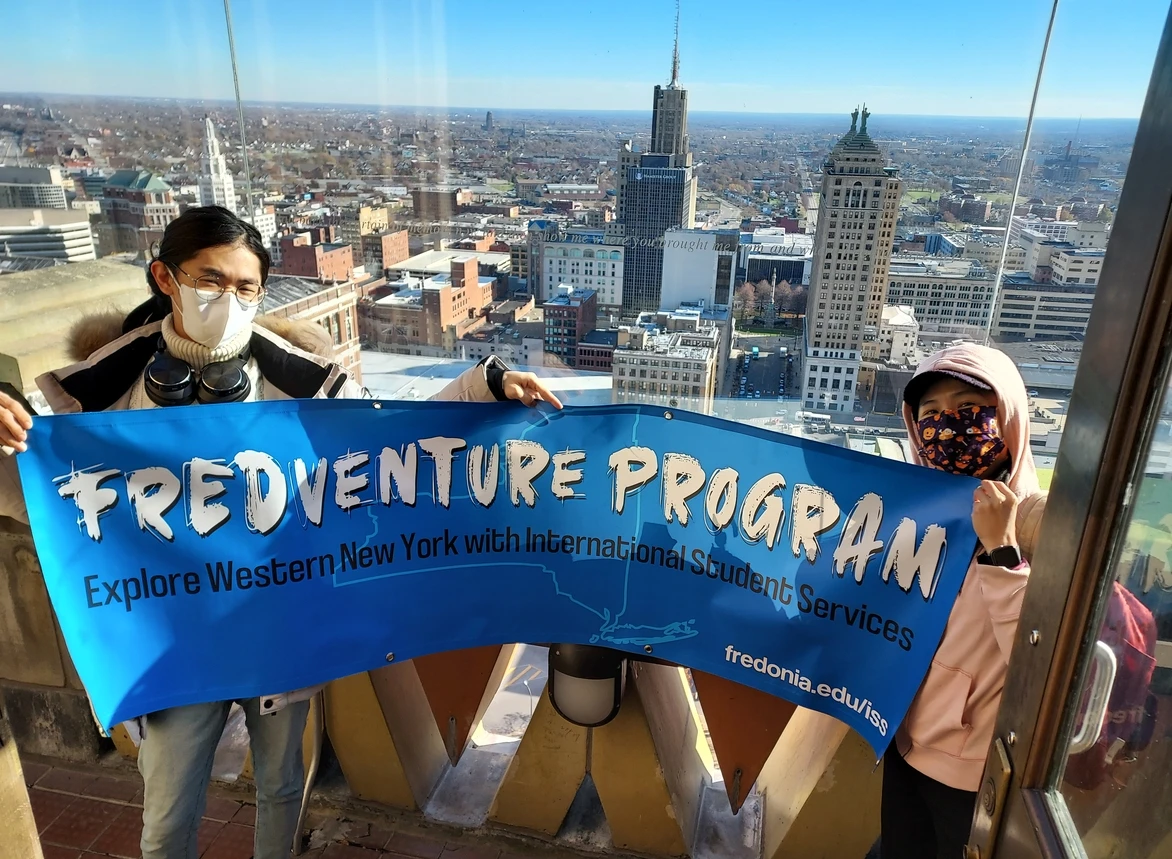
(91, 333)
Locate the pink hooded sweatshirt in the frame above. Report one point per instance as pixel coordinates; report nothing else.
(948, 730)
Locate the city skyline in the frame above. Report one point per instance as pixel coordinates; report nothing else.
(439, 57)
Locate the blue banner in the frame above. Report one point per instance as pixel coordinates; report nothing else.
(218, 552)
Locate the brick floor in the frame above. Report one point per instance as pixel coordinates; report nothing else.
(86, 816)
(233, 842)
(377, 838)
(32, 772)
(221, 809)
(415, 846)
(122, 836)
(246, 816)
(350, 851)
(68, 781)
(208, 830)
(47, 806)
(52, 851)
(456, 851)
(116, 789)
(80, 824)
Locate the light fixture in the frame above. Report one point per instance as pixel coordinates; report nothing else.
(586, 683)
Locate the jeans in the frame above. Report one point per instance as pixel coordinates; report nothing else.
(175, 760)
(922, 818)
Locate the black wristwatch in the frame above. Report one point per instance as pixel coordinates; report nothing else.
(1003, 556)
(494, 374)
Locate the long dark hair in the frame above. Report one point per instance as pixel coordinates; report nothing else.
(195, 230)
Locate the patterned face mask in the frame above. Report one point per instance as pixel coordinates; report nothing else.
(965, 441)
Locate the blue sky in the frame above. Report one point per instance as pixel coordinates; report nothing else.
(938, 58)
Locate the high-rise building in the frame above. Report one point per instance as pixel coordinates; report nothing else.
(1027, 309)
(264, 218)
(946, 295)
(656, 193)
(669, 109)
(698, 265)
(216, 186)
(852, 250)
(436, 311)
(488, 120)
(659, 197)
(580, 257)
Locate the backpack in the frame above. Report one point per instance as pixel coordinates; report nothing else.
(1129, 629)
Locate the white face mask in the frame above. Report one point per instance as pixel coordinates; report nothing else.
(210, 323)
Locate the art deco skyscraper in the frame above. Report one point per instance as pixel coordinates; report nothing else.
(216, 186)
(669, 109)
(852, 251)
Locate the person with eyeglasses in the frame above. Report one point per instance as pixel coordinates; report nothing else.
(199, 339)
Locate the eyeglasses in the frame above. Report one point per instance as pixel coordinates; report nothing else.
(209, 287)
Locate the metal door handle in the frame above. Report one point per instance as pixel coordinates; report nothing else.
(1104, 666)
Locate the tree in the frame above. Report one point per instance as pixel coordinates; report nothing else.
(783, 295)
(797, 300)
(764, 295)
(743, 301)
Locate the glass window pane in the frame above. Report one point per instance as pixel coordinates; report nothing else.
(1117, 772)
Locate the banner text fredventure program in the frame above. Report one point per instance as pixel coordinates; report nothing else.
(324, 538)
(272, 491)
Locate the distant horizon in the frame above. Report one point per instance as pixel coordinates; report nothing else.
(504, 111)
(923, 58)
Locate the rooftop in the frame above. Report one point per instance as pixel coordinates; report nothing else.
(772, 244)
(670, 345)
(137, 180)
(907, 265)
(497, 333)
(600, 337)
(1046, 365)
(440, 262)
(567, 298)
(402, 298)
(283, 289)
(439, 281)
(1023, 280)
(898, 315)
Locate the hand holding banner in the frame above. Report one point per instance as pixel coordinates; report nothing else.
(205, 554)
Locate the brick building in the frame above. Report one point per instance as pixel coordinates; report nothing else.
(384, 249)
(314, 253)
(439, 202)
(335, 308)
(596, 350)
(433, 312)
(137, 206)
(569, 316)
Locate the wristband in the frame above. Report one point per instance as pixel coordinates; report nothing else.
(494, 374)
(1003, 556)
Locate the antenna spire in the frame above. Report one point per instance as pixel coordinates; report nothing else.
(675, 53)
